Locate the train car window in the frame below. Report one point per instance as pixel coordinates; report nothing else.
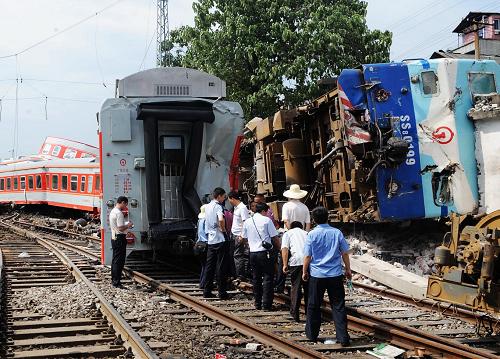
(56, 150)
(69, 153)
(74, 183)
(15, 183)
(82, 184)
(55, 181)
(46, 149)
(38, 182)
(23, 182)
(64, 183)
(429, 82)
(2, 184)
(89, 185)
(98, 182)
(8, 184)
(30, 182)
(482, 83)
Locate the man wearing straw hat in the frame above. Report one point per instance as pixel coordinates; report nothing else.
(294, 209)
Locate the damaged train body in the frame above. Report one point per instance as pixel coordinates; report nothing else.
(163, 144)
(392, 142)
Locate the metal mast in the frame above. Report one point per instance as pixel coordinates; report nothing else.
(162, 34)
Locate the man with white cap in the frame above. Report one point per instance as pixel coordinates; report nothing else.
(294, 210)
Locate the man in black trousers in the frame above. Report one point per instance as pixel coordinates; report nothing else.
(260, 233)
(118, 239)
(218, 245)
(324, 251)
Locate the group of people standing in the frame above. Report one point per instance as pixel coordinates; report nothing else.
(235, 244)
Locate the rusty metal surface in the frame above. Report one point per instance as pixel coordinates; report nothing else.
(467, 264)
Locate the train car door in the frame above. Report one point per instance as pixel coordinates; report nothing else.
(172, 167)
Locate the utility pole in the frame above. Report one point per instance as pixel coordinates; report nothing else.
(162, 34)
(477, 50)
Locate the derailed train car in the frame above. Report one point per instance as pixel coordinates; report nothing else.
(396, 142)
(163, 144)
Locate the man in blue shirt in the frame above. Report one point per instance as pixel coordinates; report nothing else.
(324, 251)
(218, 246)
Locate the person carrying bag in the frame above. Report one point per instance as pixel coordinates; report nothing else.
(260, 233)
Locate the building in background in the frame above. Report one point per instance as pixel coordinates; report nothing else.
(488, 24)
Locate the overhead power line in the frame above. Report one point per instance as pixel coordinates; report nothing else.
(61, 32)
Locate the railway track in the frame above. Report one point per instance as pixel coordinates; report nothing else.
(374, 316)
(40, 264)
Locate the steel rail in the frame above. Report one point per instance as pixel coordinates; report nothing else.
(428, 304)
(396, 333)
(131, 339)
(59, 231)
(279, 343)
(401, 335)
(77, 249)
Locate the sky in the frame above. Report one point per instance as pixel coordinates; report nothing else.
(66, 78)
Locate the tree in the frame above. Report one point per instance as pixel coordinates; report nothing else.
(272, 52)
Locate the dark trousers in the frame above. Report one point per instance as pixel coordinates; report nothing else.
(241, 257)
(280, 276)
(203, 272)
(263, 273)
(119, 246)
(335, 288)
(296, 291)
(217, 263)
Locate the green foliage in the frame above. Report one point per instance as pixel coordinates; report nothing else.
(272, 52)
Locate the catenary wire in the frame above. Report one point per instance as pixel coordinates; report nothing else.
(61, 32)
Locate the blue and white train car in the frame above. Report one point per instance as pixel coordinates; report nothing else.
(450, 163)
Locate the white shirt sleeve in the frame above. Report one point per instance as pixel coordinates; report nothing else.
(120, 219)
(244, 213)
(244, 231)
(308, 215)
(218, 211)
(271, 229)
(284, 213)
(285, 243)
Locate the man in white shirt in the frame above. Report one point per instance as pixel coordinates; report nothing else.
(294, 209)
(241, 250)
(292, 251)
(118, 239)
(218, 246)
(260, 232)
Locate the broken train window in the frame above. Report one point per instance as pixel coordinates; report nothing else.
(429, 82)
(482, 83)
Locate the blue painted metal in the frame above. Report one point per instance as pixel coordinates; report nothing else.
(399, 190)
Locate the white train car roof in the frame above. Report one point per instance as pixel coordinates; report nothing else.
(68, 149)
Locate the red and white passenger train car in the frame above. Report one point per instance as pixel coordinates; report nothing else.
(64, 173)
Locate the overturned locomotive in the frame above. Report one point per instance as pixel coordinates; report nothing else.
(397, 142)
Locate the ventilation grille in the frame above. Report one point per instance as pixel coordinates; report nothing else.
(172, 90)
